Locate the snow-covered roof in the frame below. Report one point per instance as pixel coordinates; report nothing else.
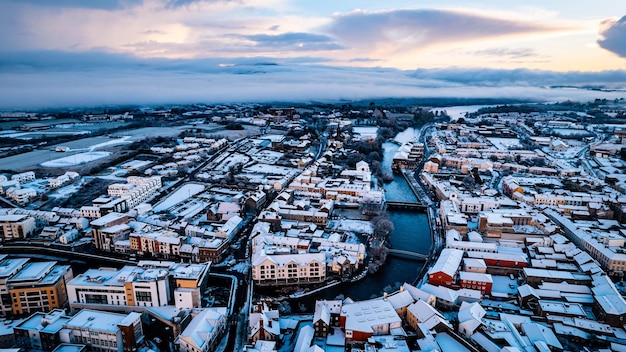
(361, 316)
(448, 262)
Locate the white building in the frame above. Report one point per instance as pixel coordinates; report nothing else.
(16, 226)
(136, 190)
(103, 331)
(24, 177)
(145, 285)
(204, 331)
(287, 269)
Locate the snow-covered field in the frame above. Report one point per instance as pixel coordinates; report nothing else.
(183, 193)
(125, 139)
(75, 159)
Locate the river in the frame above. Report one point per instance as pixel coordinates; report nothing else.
(411, 233)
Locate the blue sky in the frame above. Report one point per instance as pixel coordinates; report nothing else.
(342, 40)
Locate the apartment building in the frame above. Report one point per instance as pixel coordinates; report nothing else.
(16, 227)
(8, 268)
(102, 331)
(108, 229)
(24, 177)
(39, 286)
(41, 331)
(288, 269)
(137, 189)
(149, 284)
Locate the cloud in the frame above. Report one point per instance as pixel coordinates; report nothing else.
(364, 59)
(411, 29)
(294, 41)
(510, 53)
(614, 36)
(58, 79)
(98, 4)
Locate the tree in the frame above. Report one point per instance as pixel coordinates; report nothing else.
(469, 182)
(382, 226)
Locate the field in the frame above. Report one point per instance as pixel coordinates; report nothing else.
(76, 159)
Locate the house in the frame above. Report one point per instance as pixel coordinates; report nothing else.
(321, 321)
(419, 294)
(204, 332)
(327, 315)
(444, 271)
(470, 318)
(421, 312)
(264, 325)
(400, 301)
(362, 320)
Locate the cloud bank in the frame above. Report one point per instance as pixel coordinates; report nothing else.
(45, 79)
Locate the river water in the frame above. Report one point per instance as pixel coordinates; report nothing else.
(411, 232)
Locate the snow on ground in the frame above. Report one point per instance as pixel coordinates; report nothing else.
(504, 143)
(115, 141)
(29, 135)
(76, 159)
(67, 191)
(242, 267)
(356, 226)
(183, 193)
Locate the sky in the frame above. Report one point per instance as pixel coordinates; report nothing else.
(66, 52)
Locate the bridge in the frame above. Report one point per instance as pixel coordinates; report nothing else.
(407, 254)
(406, 205)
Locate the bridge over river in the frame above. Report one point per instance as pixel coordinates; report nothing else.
(407, 254)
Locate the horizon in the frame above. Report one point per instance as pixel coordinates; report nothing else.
(72, 53)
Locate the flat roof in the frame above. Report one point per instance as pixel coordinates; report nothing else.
(98, 320)
(9, 266)
(33, 271)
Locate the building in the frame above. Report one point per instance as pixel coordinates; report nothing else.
(288, 269)
(41, 330)
(108, 229)
(21, 195)
(408, 156)
(204, 331)
(264, 324)
(443, 273)
(102, 331)
(24, 177)
(39, 286)
(327, 315)
(476, 281)
(8, 268)
(16, 227)
(362, 320)
(421, 312)
(149, 284)
(137, 189)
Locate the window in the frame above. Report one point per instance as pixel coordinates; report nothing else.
(96, 299)
(143, 296)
